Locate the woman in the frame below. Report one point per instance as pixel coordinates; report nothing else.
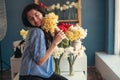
(37, 60)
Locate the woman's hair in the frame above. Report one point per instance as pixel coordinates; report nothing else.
(25, 21)
(27, 9)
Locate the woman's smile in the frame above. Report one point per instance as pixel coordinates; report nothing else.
(35, 17)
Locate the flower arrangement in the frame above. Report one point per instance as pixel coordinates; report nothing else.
(57, 54)
(68, 46)
(49, 22)
(71, 47)
(60, 8)
(76, 32)
(63, 7)
(73, 32)
(71, 54)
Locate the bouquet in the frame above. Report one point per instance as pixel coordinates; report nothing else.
(73, 32)
(49, 22)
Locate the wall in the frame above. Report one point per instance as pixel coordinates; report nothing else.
(14, 25)
(93, 18)
(110, 18)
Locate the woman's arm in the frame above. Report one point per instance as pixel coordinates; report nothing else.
(58, 38)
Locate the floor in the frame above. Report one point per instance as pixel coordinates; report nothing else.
(93, 74)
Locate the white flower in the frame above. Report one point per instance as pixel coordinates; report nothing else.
(70, 6)
(75, 53)
(81, 50)
(65, 7)
(61, 8)
(73, 4)
(49, 9)
(52, 7)
(83, 32)
(58, 6)
(76, 5)
(67, 2)
(57, 52)
(73, 28)
(68, 50)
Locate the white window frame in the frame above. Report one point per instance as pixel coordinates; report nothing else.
(117, 27)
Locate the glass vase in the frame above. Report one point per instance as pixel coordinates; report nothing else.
(71, 61)
(57, 66)
(71, 70)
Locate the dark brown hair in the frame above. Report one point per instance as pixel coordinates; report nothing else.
(25, 21)
(27, 9)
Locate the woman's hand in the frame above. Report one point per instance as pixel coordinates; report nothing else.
(59, 37)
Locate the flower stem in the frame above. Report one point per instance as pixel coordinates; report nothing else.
(57, 66)
(71, 60)
(71, 71)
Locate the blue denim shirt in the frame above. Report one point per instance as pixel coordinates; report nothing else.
(35, 48)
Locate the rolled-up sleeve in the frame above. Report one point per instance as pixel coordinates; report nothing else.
(37, 44)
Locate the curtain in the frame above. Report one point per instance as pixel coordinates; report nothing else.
(3, 22)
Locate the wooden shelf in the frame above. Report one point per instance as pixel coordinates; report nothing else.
(78, 12)
(68, 21)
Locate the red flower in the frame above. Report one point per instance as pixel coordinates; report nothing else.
(64, 26)
(43, 6)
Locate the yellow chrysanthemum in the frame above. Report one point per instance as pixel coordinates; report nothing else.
(49, 22)
(23, 33)
(75, 33)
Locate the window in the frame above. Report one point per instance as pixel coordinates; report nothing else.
(117, 27)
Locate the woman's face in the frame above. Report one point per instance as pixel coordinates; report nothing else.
(35, 17)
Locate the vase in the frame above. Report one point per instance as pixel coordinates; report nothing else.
(76, 44)
(71, 70)
(71, 61)
(57, 66)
